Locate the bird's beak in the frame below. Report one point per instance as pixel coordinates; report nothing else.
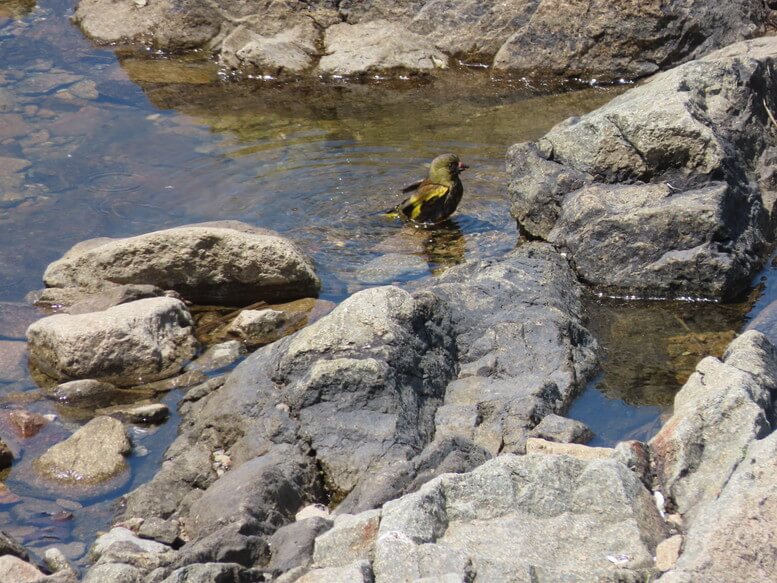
(462, 166)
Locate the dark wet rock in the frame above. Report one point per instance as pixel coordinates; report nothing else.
(190, 470)
(725, 405)
(561, 429)
(267, 490)
(233, 543)
(6, 455)
(146, 340)
(85, 389)
(258, 326)
(291, 546)
(182, 381)
(122, 294)
(656, 193)
(202, 390)
(227, 262)
(160, 530)
(443, 455)
(10, 546)
(523, 351)
(566, 39)
(217, 356)
(15, 570)
(354, 49)
(451, 523)
(92, 456)
(144, 412)
(212, 573)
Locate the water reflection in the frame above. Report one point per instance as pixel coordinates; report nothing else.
(652, 347)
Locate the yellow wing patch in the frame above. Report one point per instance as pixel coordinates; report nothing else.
(426, 193)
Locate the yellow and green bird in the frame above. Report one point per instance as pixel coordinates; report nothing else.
(436, 197)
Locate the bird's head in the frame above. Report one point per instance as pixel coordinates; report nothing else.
(446, 167)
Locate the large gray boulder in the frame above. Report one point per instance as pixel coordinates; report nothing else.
(227, 262)
(630, 39)
(129, 344)
(659, 192)
(515, 518)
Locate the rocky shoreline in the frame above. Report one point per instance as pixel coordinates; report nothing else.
(535, 38)
(419, 435)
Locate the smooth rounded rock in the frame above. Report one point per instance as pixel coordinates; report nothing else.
(130, 344)
(223, 263)
(91, 456)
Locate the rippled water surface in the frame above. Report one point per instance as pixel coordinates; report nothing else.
(99, 142)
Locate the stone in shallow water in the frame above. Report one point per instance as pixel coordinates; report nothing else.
(148, 412)
(217, 356)
(147, 340)
(392, 267)
(92, 455)
(221, 263)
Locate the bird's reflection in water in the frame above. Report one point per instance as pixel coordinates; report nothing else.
(443, 245)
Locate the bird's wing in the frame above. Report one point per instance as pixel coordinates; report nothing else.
(426, 193)
(413, 186)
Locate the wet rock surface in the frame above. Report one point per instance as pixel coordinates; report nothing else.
(142, 341)
(657, 193)
(221, 263)
(91, 457)
(530, 37)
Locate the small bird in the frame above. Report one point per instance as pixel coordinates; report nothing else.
(436, 196)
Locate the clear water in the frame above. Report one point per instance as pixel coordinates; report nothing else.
(98, 142)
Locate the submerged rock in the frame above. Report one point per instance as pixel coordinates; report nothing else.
(125, 345)
(92, 456)
(226, 263)
(657, 192)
